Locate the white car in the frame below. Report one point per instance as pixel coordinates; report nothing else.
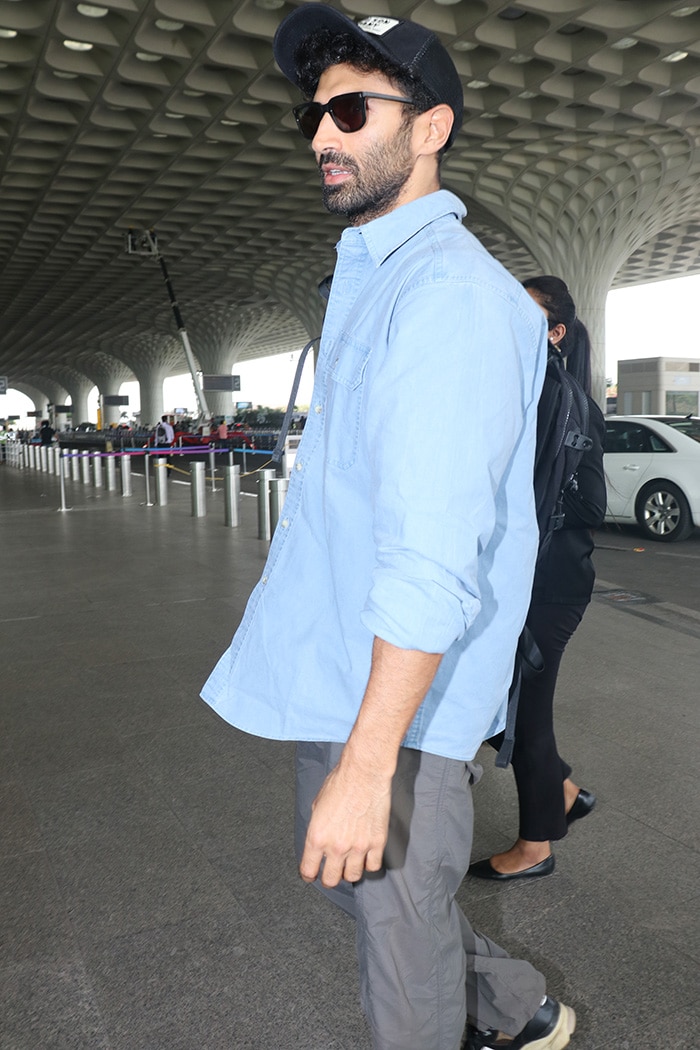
(652, 471)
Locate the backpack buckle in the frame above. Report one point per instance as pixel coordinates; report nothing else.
(576, 440)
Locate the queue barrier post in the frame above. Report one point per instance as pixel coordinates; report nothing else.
(85, 467)
(232, 495)
(278, 492)
(198, 490)
(125, 468)
(264, 479)
(147, 476)
(62, 467)
(43, 459)
(160, 469)
(75, 464)
(212, 468)
(111, 472)
(97, 471)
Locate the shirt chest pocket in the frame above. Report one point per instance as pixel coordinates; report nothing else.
(346, 388)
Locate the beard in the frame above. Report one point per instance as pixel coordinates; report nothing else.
(377, 179)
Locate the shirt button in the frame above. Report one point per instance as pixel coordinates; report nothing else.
(265, 579)
(318, 409)
(285, 523)
(298, 466)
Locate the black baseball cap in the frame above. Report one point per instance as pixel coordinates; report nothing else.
(408, 45)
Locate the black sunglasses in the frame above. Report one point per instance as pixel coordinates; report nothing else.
(348, 112)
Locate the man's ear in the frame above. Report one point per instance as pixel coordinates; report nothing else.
(435, 125)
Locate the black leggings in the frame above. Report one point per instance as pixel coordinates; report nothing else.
(539, 771)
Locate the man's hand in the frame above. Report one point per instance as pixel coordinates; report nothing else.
(350, 816)
(349, 826)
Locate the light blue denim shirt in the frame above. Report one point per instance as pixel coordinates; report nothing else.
(409, 514)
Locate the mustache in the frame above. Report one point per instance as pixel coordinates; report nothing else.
(341, 160)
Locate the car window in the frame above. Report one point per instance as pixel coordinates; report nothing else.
(632, 438)
(658, 444)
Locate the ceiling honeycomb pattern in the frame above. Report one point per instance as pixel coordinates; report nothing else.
(579, 154)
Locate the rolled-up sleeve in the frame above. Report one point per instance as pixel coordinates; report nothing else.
(447, 410)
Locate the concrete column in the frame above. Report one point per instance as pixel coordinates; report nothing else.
(150, 377)
(110, 413)
(79, 389)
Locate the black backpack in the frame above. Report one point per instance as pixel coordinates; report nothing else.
(562, 438)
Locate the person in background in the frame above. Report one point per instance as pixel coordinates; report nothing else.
(46, 432)
(548, 799)
(164, 432)
(380, 635)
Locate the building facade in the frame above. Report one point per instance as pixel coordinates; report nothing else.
(658, 386)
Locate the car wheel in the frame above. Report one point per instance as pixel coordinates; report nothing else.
(663, 512)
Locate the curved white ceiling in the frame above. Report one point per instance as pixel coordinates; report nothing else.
(580, 138)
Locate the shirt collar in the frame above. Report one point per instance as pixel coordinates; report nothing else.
(384, 235)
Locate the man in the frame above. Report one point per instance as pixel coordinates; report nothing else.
(46, 432)
(164, 435)
(407, 563)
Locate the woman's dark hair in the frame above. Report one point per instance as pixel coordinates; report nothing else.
(554, 297)
(324, 48)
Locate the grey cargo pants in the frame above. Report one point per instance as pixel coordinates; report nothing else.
(422, 967)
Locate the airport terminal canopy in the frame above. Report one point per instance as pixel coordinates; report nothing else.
(578, 156)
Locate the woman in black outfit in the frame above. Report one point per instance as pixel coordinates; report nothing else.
(549, 800)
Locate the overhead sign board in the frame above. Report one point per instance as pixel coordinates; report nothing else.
(229, 383)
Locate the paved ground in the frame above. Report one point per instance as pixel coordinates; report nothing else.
(148, 897)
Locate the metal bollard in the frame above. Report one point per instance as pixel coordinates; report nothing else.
(160, 469)
(62, 470)
(197, 489)
(264, 479)
(97, 471)
(278, 492)
(125, 466)
(75, 464)
(85, 467)
(111, 472)
(147, 477)
(43, 459)
(232, 495)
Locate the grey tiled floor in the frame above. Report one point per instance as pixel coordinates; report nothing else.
(148, 894)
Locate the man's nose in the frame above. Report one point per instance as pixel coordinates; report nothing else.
(328, 137)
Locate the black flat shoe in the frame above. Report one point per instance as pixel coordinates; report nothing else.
(483, 869)
(583, 804)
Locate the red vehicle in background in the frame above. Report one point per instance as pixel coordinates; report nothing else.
(238, 436)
